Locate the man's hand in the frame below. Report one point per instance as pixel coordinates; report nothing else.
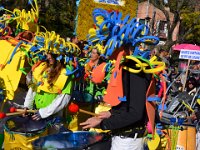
(91, 122)
(104, 114)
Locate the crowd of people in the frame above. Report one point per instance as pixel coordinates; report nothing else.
(121, 85)
(126, 121)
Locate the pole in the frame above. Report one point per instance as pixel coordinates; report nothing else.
(186, 74)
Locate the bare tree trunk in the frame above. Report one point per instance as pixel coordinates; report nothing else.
(171, 25)
(152, 23)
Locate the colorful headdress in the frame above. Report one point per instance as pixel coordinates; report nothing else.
(115, 32)
(50, 42)
(25, 20)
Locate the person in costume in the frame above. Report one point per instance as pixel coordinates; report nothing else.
(97, 104)
(126, 120)
(74, 39)
(50, 90)
(95, 61)
(91, 97)
(128, 73)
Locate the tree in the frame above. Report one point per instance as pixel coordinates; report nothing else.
(178, 8)
(190, 26)
(54, 15)
(58, 15)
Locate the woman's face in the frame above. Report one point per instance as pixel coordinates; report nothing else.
(75, 40)
(50, 59)
(94, 55)
(190, 85)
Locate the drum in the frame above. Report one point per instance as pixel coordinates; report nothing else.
(184, 139)
(187, 138)
(20, 132)
(78, 140)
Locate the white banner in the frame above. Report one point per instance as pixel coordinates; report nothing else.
(113, 2)
(189, 54)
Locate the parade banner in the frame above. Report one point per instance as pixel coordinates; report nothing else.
(113, 2)
(86, 7)
(189, 54)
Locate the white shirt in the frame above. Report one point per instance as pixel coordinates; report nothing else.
(57, 105)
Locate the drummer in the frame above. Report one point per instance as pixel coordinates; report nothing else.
(127, 120)
(50, 89)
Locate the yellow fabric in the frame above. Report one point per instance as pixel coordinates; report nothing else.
(198, 101)
(153, 143)
(163, 142)
(80, 117)
(9, 73)
(57, 85)
(20, 142)
(100, 108)
(73, 125)
(77, 118)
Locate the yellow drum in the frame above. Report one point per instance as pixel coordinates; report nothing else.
(20, 132)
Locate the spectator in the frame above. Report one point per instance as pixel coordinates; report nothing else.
(191, 86)
(163, 55)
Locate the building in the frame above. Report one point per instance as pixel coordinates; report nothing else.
(147, 11)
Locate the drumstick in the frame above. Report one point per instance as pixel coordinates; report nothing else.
(74, 108)
(13, 109)
(87, 112)
(29, 110)
(3, 115)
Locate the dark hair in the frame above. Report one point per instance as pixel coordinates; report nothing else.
(81, 44)
(162, 50)
(192, 81)
(101, 60)
(73, 37)
(55, 70)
